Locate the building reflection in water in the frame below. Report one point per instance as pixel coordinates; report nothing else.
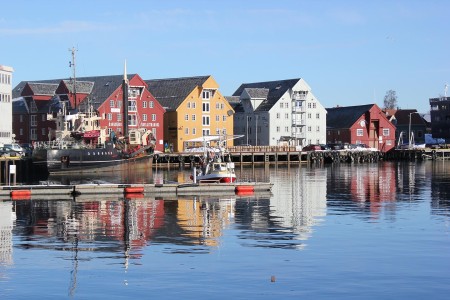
(7, 218)
(125, 228)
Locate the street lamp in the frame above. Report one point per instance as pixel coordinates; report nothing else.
(409, 129)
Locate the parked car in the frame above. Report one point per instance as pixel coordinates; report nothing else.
(7, 152)
(336, 146)
(16, 148)
(312, 147)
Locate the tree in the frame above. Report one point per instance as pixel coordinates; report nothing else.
(390, 100)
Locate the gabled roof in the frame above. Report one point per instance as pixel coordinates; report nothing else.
(235, 103)
(257, 93)
(345, 117)
(47, 89)
(99, 87)
(83, 87)
(402, 116)
(17, 90)
(276, 89)
(19, 106)
(173, 91)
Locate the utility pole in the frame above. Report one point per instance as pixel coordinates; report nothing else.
(74, 78)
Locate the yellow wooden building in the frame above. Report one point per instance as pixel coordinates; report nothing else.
(194, 108)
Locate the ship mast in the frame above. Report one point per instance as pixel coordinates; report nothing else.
(74, 79)
(125, 101)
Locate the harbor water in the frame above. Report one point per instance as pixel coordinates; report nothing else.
(345, 231)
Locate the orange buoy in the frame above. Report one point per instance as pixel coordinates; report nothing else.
(245, 193)
(134, 189)
(21, 195)
(245, 188)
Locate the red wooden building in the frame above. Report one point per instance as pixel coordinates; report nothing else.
(103, 93)
(362, 124)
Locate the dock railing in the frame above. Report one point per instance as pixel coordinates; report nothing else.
(261, 149)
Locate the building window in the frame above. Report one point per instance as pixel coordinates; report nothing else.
(309, 115)
(132, 105)
(217, 118)
(144, 104)
(281, 105)
(193, 105)
(318, 128)
(286, 115)
(109, 116)
(43, 117)
(111, 103)
(150, 104)
(309, 105)
(278, 128)
(388, 142)
(144, 117)
(386, 132)
(20, 118)
(186, 117)
(205, 132)
(189, 104)
(278, 115)
(21, 131)
(186, 130)
(205, 120)
(329, 132)
(194, 131)
(153, 117)
(43, 131)
(119, 118)
(314, 105)
(205, 107)
(193, 118)
(224, 118)
(359, 132)
(33, 134)
(317, 116)
(132, 120)
(309, 128)
(33, 120)
(206, 94)
(286, 129)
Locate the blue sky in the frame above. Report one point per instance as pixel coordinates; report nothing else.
(349, 52)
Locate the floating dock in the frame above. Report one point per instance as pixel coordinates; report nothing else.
(169, 190)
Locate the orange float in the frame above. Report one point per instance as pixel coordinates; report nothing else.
(21, 195)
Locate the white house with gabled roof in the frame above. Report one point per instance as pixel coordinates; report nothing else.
(273, 113)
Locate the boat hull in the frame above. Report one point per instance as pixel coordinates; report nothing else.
(81, 160)
(216, 178)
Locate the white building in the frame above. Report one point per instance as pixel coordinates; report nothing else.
(5, 104)
(273, 113)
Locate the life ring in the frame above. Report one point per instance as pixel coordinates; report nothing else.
(191, 157)
(167, 157)
(181, 158)
(156, 156)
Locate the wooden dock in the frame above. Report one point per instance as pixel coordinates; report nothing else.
(171, 190)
